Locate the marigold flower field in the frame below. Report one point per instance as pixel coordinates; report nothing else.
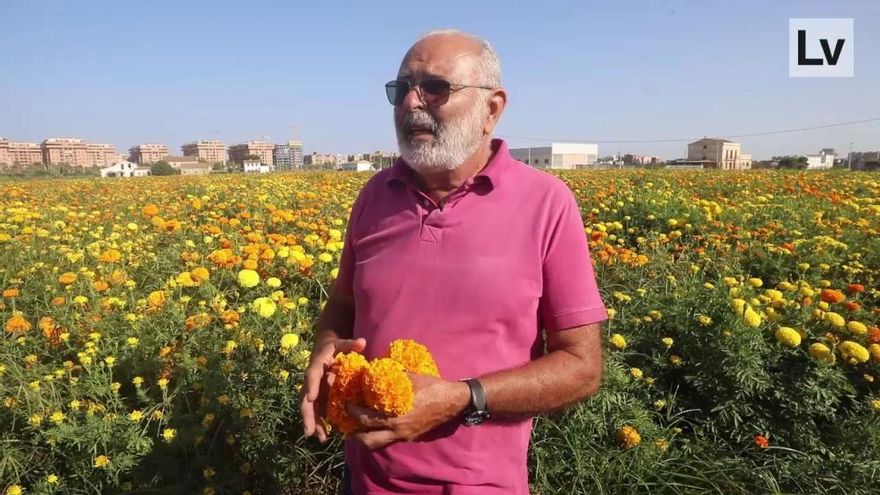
(155, 331)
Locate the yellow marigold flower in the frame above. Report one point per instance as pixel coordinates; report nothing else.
(857, 328)
(773, 294)
(874, 350)
(704, 320)
(273, 282)
(750, 317)
(325, 257)
(35, 419)
(347, 388)
(834, 319)
(102, 461)
(659, 404)
(667, 341)
(248, 278)
(756, 282)
(387, 387)
(636, 373)
(264, 306)
(289, 341)
(52, 479)
(14, 490)
(618, 341)
(136, 415)
(163, 383)
(852, 352)
(788, 336)
(628, 437)
(821, 352)
(414, 357)
(229, 347)
(168, 434)
(57, 417)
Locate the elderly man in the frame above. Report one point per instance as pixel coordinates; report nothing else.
(481, 258)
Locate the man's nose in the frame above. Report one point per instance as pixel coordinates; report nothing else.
(413, 99)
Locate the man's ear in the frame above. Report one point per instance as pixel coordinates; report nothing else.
(497, 102)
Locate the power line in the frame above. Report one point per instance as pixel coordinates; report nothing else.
(682, 140)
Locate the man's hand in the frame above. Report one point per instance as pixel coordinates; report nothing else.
(316, 381)
(436, 402)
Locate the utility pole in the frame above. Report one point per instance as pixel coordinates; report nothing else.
(849, 158)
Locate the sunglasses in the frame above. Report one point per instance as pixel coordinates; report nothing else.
(432, 91)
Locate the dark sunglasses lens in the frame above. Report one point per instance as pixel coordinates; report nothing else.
(436, 89)
(396, 91)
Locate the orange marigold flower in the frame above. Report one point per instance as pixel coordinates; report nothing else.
(387, 387)
(761, 441)
(230, 317)
(853, 288)
(156, 299)
(67, 278)
(628, 437)
(852, 306)
(200, 320)
(17, 324)
(873, 335)
(11, 293)
(200, 274)
(349, 371)
(100, 285)
(58, 301)
(110, 256)
(150, 210)
(832, 296)
(414, 357)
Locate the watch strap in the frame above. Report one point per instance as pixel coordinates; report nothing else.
(478, 395)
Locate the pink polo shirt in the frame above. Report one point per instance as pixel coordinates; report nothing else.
(475, 282)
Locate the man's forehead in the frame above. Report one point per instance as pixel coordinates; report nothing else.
(438, 57)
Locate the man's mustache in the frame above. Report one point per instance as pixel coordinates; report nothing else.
(420, 119)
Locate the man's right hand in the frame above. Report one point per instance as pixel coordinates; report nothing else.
(316, 381)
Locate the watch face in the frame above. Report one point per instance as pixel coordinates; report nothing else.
(476, 418)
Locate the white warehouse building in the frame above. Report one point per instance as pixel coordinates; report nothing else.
(559, 155)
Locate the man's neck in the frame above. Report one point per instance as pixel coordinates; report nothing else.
(440, 184)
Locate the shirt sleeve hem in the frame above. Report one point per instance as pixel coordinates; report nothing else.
(576, 318)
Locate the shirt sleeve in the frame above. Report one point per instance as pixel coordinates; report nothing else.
(570, 296)
(344, 283)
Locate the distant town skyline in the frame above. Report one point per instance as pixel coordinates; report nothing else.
(575, 72)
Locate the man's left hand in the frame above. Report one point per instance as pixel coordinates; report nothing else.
(437, 401)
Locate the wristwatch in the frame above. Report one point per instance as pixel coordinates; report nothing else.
(477, 412)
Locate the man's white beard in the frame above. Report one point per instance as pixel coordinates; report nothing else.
(453, 142)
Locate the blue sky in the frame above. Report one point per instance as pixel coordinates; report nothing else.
(169, 72)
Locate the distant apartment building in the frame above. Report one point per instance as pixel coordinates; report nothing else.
(4, 152)
(101, 155)
(719, 153)
(145, 154)
(559, 155)
(822, 160)
(263, 149)
(77, 153)
(21, 153)
(633, 160)
(211, 151)
(289, 156)
(864, 160)
(318, 159)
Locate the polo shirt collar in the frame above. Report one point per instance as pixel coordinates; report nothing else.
(492, 173)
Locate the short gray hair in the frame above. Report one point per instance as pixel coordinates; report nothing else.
(488, 65)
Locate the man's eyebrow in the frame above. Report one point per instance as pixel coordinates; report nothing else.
(425, 75)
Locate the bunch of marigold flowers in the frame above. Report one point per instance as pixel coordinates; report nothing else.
(381, 384)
